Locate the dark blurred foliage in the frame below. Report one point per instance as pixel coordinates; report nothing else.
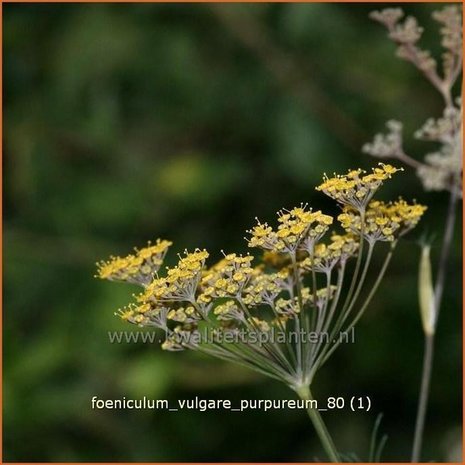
(124, 123)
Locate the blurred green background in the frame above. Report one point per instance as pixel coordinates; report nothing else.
(125, 123)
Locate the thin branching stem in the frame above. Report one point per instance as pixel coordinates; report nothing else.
(357, 265)
(445, 249)
(298, 284)
(408, 160)
(361, 282)
(282, 326)
(340, 280)
(321, 318)
(379, 278)
(224, 355)
(428, 355)
(272, 349)
(320, 427)
(239, 351)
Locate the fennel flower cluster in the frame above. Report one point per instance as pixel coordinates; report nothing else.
(259, 314)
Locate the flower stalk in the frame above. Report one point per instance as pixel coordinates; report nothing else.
(430, 307)
(319, 425)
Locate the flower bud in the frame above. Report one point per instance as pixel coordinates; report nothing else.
(426, 292)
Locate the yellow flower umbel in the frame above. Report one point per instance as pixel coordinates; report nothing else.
(144, 314)
(298, 228)
(138, 268)
(327, 256)
(264, 288)
(382, 221)
(181, 282)
(227, 278)
(269, 309)
(356, 188)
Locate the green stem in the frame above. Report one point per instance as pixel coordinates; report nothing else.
(272, 350)
(424, 394)
(325, 355)
(299, 317)
(357, 265)
(243, 352)
(361, 282)
(445, 249)
(315, 417)
(429, 339)
(288, 344)
(340, 280)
